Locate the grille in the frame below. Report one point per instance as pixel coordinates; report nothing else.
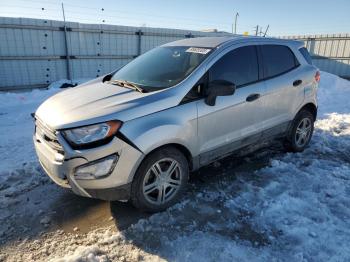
(48, 135)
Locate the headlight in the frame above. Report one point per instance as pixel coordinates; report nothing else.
(90, 134)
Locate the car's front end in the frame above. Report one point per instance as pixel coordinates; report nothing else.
(94, 161)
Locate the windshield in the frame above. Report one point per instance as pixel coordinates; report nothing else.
(162, 67)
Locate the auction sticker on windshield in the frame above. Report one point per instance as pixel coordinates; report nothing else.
(198, 50)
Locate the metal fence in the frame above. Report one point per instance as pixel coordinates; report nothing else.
(331, 53)
(35, 52)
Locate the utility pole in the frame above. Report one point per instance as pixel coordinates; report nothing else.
(237, 14)
(232, 29)
(66, 44)
(256, 30)
(267, 28)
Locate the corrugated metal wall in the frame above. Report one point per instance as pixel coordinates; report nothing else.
(331, 53)
(33, 53)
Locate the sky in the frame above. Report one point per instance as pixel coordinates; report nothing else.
(284, 17)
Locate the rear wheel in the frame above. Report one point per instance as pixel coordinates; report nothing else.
(160, 180)
(300, 132)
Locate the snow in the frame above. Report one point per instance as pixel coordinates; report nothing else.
(17, 124)
(16, 147)
(296, 207)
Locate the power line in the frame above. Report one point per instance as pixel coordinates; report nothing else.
(77, 13)
(126, 12)
(102, 17)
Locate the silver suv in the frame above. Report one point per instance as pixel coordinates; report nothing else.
(136, 133)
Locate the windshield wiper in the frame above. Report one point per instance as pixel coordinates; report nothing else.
(137, 87)
(127, 84)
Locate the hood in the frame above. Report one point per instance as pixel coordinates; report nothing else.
(96, 101)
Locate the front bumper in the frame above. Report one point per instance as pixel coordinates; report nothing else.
(111, 194)
(60, 169)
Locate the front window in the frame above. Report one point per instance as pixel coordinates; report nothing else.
(162, 67)
(239, 67)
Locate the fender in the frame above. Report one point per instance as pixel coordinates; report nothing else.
(176, 125)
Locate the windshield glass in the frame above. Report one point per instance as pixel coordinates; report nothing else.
(162, 67)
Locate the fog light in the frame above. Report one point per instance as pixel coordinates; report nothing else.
(96, 169)
(59, 157)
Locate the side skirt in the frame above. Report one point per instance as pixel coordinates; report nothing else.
(273, 133)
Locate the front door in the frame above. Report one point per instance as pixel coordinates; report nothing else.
(235, 120)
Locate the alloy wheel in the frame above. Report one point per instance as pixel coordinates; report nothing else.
(162, 181)
(303, 132)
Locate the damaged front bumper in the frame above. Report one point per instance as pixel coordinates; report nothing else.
(61, 167)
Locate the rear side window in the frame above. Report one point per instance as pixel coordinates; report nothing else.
(239, 66)
(278, 59)
(306, 55)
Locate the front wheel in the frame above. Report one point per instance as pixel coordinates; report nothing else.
(160, 180)
(300, 132)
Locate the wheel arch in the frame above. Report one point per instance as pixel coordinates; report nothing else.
(183, 149)
(311, 107)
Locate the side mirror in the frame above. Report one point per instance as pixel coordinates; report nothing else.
(218, 88)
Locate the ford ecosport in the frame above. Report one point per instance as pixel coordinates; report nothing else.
(136, 133)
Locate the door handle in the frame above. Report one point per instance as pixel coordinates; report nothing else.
(252, 97)
(297, 82)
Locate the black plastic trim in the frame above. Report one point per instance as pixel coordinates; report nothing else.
(121, 136)
(89, 145)
(111, 194)
(260, 63)
(203, 80)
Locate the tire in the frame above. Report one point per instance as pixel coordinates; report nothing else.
(154, 187)
(300, 132)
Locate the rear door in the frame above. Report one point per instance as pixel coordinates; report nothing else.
(284, 85)
(234, 120)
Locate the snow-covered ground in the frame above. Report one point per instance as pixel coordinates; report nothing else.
(277, 207)
(19, 165)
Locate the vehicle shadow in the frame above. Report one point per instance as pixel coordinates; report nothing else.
(124, 214)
